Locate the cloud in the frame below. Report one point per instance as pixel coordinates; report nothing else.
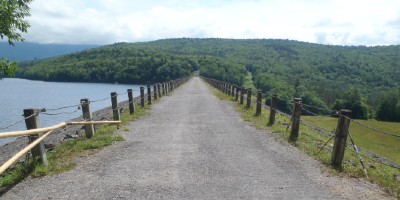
(342, 22)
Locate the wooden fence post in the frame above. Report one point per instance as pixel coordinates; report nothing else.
(155, 91)
(241, 95)
(249, 93)
(32, 122)
(131, 103)
(273, 109)
(342, 130)
(87, 116)
(149, 94)
(159, 90)
(163, 89)
(224, 87)
(294, 131)
(237, 93)
(166, 88)
(259, 102)
(114, 106)
(142, 97)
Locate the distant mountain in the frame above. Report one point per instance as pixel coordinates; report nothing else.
(24, 51)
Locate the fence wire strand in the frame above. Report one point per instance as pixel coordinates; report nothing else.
(61, 113)
(19, 121)
(372, 128)
(239, 92)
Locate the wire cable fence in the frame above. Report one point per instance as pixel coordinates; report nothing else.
(49, 111)
(17, 122)
(312, 110)
(35, 133)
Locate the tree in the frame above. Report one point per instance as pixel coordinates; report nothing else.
(12, 14)
(389, 107)
(353, 101)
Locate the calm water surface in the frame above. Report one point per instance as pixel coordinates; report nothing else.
(19, 94)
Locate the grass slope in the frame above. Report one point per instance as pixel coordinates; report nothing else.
(384, 145)
(320, 147)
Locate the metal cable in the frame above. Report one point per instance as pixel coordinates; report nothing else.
(64, 107)
(98, 100)
(373, 160)
(324, 145)
(369, 127)
(318, 108)
(17, 122)
(60, 113)
(314, 114)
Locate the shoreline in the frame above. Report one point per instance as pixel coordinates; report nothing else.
(11, 148)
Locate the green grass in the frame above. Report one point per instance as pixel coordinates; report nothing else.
(384, 145)
(312, 143)
(63, 157)
(15, 175)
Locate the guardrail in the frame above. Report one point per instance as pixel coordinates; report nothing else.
(340, 134)
(36, 135)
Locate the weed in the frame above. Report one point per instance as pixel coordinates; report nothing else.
(14, 175)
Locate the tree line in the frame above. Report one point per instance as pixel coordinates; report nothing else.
(363, 79)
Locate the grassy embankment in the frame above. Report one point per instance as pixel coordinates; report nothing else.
(312, 143)
(381, 144)
(63, 157)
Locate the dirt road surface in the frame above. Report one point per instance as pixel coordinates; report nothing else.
(194, 146)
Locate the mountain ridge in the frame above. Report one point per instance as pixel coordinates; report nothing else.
(25, 51)
(324, 75)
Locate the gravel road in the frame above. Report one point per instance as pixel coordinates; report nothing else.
(194, 146)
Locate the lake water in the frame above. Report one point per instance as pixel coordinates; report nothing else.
(19, 94)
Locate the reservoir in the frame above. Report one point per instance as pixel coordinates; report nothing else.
(19, 94)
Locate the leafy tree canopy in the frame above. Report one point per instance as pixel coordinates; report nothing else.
(331, 77)
(12, 14)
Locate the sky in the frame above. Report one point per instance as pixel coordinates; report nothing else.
(335, 22)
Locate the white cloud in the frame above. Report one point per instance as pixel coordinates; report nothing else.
(343, 22)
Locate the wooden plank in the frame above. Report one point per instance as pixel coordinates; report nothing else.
(15, 158)
(41, 130)
(32, 131)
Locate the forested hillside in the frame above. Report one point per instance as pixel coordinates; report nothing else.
(363, 79)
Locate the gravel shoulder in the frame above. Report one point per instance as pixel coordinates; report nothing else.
(194, 146)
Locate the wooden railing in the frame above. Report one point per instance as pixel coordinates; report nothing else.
(37, 135)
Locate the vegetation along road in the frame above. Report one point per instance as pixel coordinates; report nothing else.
(194, 146)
